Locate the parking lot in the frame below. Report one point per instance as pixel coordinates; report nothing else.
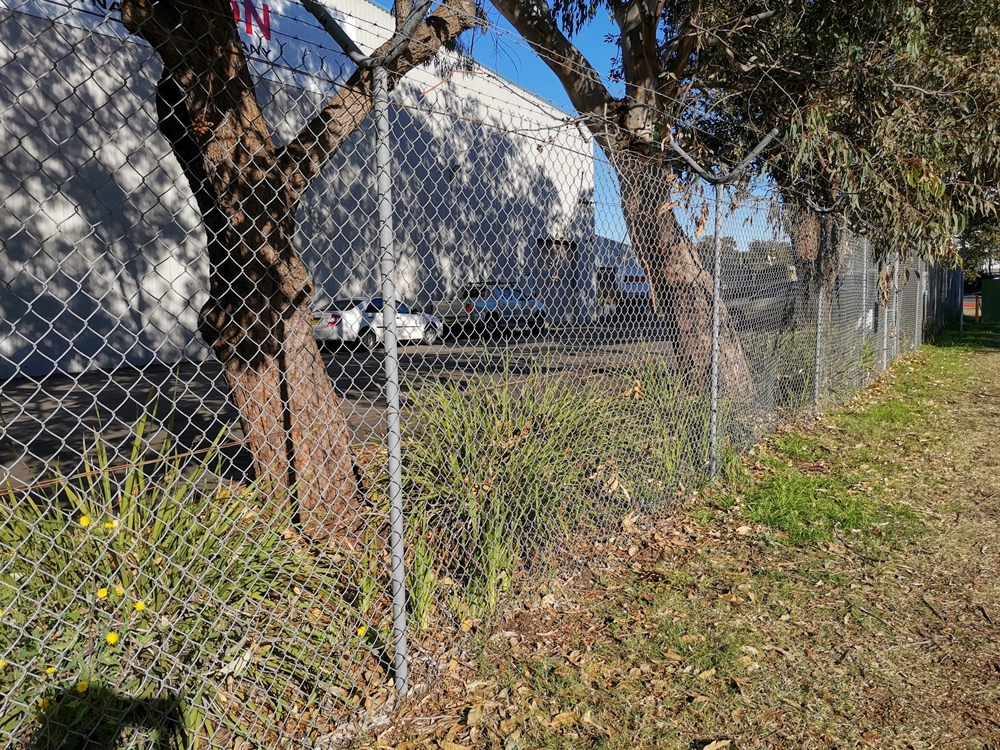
(49, 424)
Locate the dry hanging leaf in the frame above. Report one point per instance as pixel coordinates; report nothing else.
(702, 221)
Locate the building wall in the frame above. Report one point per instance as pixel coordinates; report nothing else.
(102, 261)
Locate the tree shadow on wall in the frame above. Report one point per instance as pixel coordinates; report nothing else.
(101, 719)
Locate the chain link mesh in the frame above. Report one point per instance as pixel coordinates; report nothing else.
(194, 460)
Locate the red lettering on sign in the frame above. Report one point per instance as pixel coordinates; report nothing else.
(251, 16)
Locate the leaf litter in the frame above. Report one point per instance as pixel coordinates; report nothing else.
(710, 630)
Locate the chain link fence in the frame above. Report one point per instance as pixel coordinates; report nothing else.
(245, 505)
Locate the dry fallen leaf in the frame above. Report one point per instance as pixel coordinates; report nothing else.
(707, 674)
(565, 719)
(717, 745)
(475, 716)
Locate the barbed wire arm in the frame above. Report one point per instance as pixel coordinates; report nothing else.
(400, 38)
(733, 173)
(833, 207)
(336, 32)
(404, 32)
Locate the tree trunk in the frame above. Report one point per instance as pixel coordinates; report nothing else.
(680, 286)
(257, 319)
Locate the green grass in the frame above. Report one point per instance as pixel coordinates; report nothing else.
(975, 336)
(496, 472)
(808, 509)
(167, 587)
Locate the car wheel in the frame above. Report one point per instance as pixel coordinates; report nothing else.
(537, 324)
(491, 323)
(369, 340)
(430, 335)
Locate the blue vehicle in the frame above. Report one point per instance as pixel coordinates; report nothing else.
(491, 306)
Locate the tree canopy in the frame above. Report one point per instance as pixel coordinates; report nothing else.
(887, 106)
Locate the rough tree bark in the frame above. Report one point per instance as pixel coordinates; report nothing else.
(257, 318)
(680, 285)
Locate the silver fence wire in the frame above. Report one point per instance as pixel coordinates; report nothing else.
(214, 530)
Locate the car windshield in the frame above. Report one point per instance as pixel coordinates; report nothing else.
(376, 304)
(508, 292)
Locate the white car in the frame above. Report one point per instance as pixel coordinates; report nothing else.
(362, 320)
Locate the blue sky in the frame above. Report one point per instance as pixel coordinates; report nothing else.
(502, 50)
(511, 57)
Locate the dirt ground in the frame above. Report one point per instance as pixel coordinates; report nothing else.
(841, 589)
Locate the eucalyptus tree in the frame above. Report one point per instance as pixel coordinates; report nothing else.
(248, 187)
(887, 111)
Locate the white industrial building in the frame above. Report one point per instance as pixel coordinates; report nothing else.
(102, 261)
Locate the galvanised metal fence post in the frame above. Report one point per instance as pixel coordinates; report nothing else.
(383, 177)
(824, 238)
(885, 329)
(919, 309)
(718, 182)
(383, 185)
(713, 420)
(895, 308)
(864, 310)
(960, 284)
(817, 372)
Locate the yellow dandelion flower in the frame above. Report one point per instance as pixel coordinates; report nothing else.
(102, 593)
(44, 703)
(139, 606)
(85, 521)
(362, 630)
(2, 664)
(119, 590)
(111, 638)
(50, 670)
(81, 686)
(109, 525)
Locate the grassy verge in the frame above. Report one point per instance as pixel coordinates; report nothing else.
(167, 591)
(168, 602)
(839, 590)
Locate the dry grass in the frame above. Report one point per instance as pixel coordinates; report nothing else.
(843, 589)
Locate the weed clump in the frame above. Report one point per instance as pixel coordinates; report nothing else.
(495, 472)
(121, 592)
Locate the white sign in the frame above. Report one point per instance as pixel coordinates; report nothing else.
(281, 39)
